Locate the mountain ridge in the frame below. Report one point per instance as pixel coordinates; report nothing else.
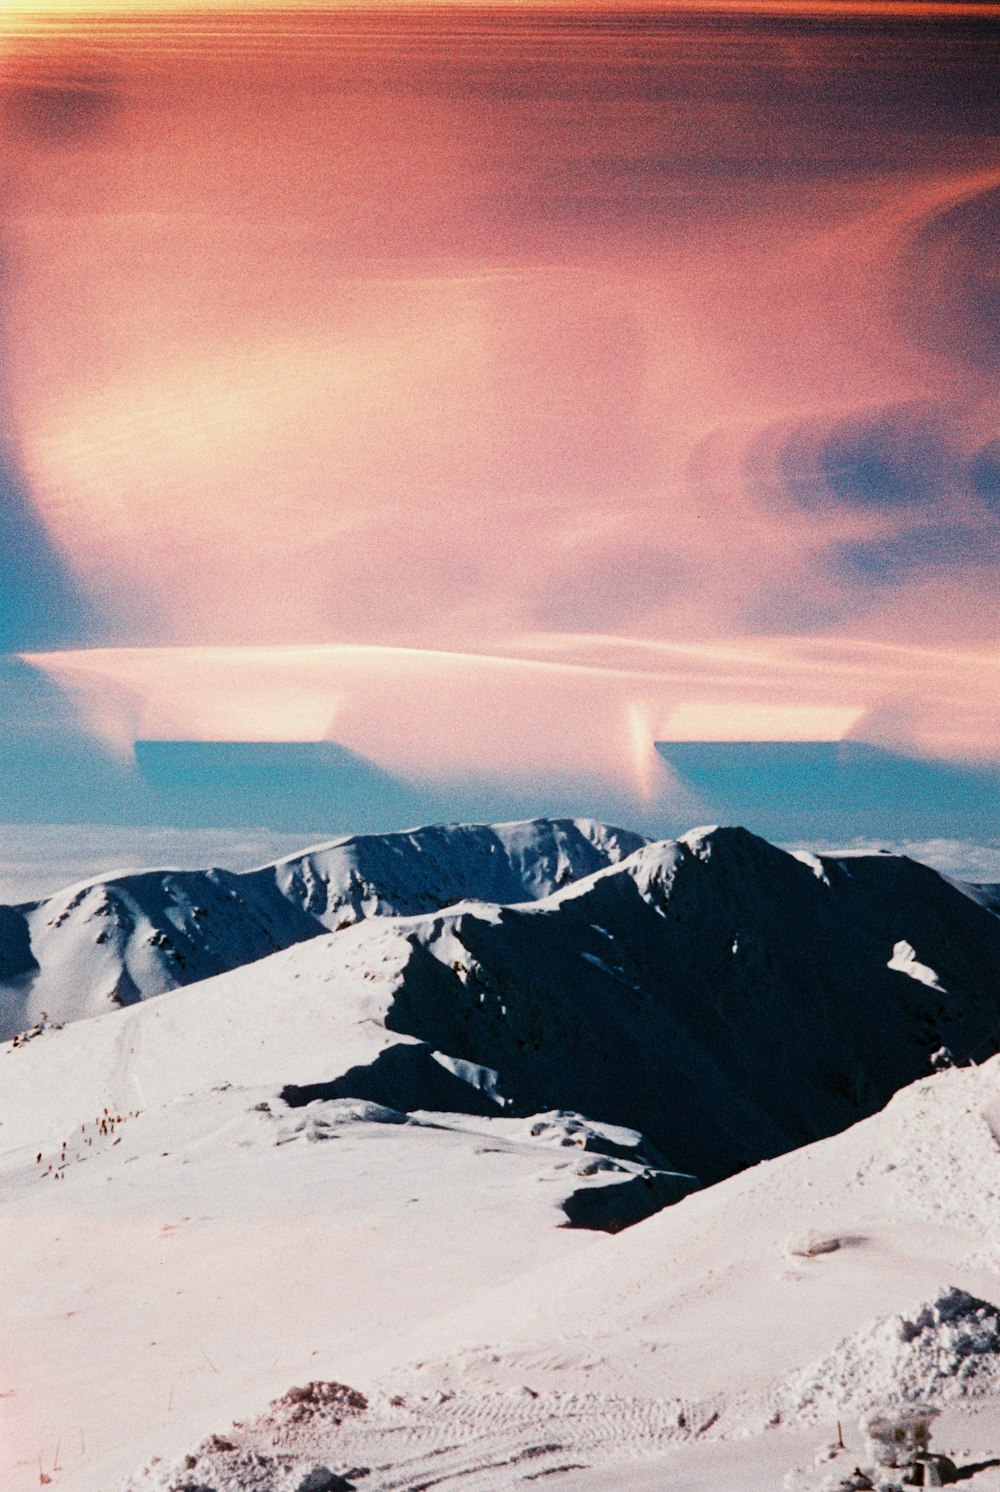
(117, 938)
(725, 998)
(722, 997)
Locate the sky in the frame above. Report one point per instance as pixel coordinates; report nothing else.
(496, 391)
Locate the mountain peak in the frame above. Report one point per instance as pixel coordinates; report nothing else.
(115, 939)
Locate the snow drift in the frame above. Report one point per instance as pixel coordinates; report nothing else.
(943, 1349)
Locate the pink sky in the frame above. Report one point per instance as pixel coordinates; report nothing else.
(464, 340)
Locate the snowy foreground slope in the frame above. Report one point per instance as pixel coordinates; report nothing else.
(353, 1162)
(713, 1347)
(117, 939)
(221, 1255)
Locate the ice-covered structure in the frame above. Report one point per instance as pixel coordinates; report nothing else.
(897, 1452)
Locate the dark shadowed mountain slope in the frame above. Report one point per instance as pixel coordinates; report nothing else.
(122, 938)
(727, 998)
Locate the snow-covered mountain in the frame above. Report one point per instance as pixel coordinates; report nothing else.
(725, 998)
(712, 1348)
(117, 939)
(728, 999)
(375, 1133)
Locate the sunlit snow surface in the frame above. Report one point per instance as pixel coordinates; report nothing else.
(187, 1237)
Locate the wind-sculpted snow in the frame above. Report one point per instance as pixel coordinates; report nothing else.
(716, 1347)
(120, 939)
(945, 1348)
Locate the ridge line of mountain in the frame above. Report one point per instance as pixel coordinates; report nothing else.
(117, 938)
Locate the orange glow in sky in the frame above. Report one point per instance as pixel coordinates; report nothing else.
(928, 9)
(431, 715)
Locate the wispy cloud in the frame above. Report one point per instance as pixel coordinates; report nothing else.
(451, 331)
(583, 707)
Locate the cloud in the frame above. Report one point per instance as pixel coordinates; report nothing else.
(62, 110)
(567, 366)
(53, 768)
(559, 707)
(884, 463)
(984, 475)
(919, 551)
(428, 351)
(612, 589)
(949, 287)
(771, 722)
(877, 460)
